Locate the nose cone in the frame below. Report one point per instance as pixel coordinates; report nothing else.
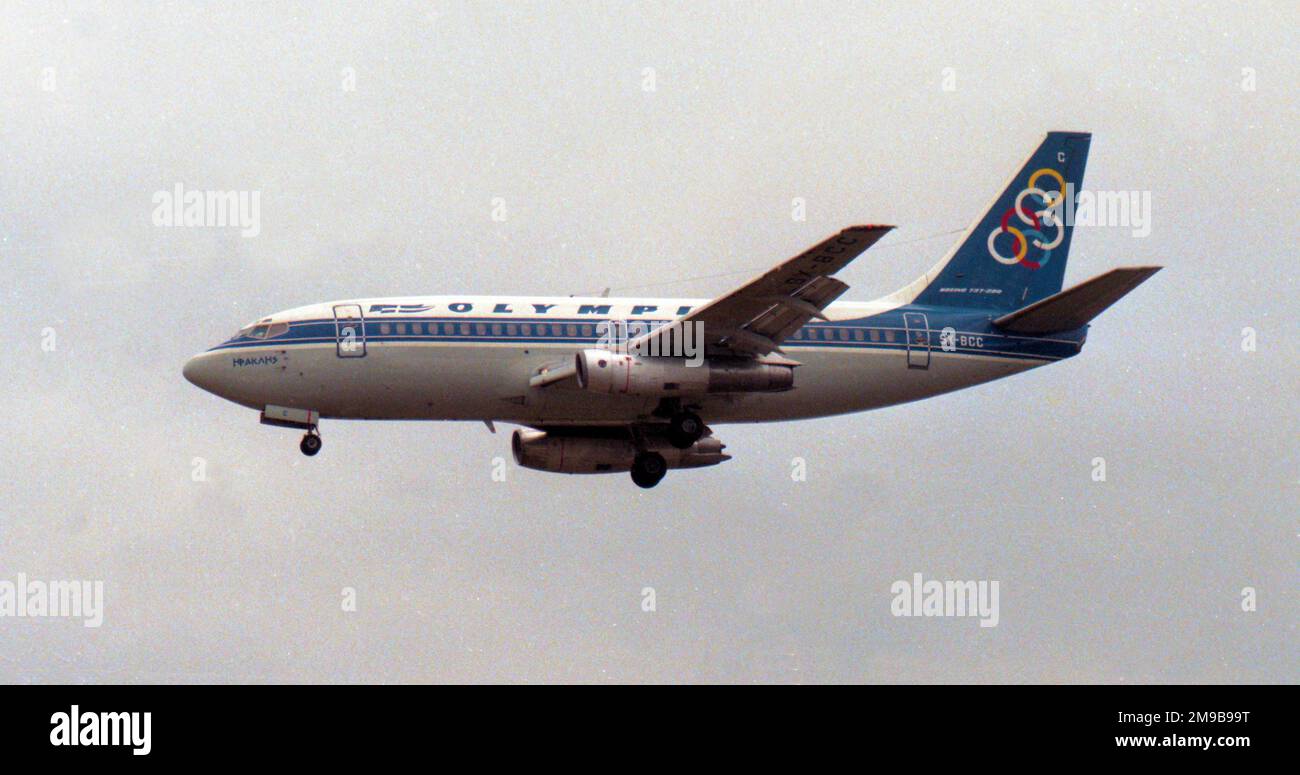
(200, 370)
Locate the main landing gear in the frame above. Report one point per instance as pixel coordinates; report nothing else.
(310, 443)
(684, 429)
(648, 468)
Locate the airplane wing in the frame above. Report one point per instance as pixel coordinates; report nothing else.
(755, 318)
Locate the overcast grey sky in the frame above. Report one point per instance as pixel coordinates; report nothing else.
(386, 189)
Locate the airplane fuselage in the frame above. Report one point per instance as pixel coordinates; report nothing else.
(470, 358)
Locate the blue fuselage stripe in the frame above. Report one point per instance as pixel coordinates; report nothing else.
(964, 335)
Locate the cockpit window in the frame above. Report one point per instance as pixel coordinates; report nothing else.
(263, 330)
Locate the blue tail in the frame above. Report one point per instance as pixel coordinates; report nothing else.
(1015, 254)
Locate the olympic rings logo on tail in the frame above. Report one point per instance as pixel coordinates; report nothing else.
(1029, 231)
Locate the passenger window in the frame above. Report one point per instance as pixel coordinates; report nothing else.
(587, 330)
(875, 335)
(857, 334)
(570, 330)
(401, 328)
(889, 335)
(512, 329)
(464, 329)
(844, 335)
(385, 329)
(496, 329)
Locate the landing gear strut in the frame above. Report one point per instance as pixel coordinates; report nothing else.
(684, 429)
(310, 443)
(648, 468)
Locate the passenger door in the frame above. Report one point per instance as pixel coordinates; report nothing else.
(349, 331)
(918, 340)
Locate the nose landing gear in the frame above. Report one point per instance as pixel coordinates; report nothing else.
(310, 443)
(302, 419)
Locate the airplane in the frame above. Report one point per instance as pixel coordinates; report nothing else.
(602, 385)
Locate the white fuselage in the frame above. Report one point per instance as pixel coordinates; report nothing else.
(470, 358)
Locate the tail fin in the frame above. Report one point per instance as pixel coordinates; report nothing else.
(1074, 308)
(1015, 253)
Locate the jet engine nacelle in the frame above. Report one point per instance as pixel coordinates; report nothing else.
(566, 454)
(603, 371)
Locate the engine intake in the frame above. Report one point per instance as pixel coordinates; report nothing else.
(603, 371)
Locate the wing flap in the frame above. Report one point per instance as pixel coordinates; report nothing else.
(789, 313)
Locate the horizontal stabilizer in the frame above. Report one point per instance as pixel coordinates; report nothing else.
(1075, 307)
